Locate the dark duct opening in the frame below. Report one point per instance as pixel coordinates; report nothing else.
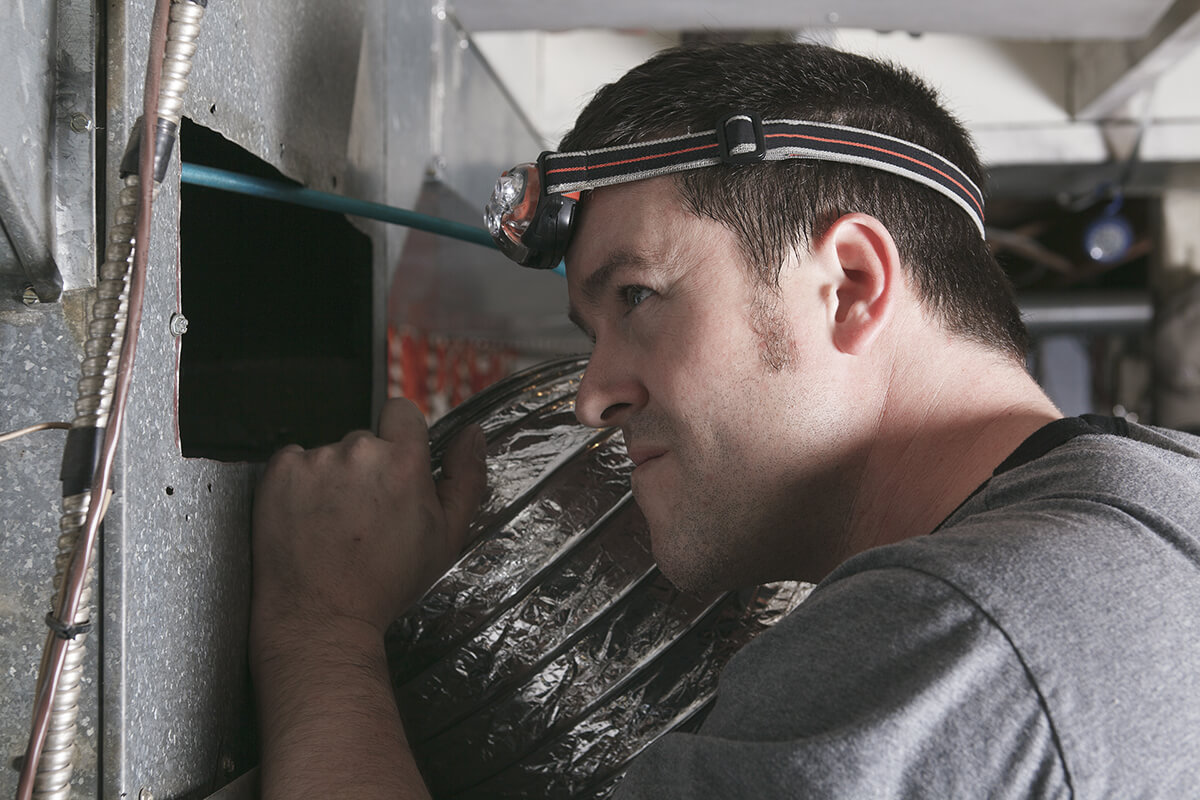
(278, 303)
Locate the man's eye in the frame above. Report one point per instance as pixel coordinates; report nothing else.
(634, 296)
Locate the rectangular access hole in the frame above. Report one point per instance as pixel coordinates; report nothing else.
(278, 303)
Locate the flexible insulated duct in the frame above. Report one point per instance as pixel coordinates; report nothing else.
(554, 651)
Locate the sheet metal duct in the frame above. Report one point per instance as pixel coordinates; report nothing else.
(329, 93)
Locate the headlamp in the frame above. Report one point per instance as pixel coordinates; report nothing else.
(532, 210)
(530, 227)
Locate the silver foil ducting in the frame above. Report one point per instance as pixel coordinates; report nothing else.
(554, 651)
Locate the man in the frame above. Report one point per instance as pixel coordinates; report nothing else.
(816, 364)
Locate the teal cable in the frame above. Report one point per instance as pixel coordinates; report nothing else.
(227, 181)
(310, 198)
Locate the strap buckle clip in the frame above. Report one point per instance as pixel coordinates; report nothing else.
(740, 137)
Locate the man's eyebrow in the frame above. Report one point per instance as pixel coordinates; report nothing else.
(594, 285)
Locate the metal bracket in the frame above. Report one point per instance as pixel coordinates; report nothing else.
(27, 239)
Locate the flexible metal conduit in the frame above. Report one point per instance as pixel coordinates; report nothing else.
(182, 32)
(105, 333)
(97, 385)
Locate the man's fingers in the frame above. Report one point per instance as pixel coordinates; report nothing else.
(401, 422)
(464, 480)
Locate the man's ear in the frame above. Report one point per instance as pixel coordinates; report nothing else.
(867, 277)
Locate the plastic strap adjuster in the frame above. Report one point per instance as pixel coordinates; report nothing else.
(64, 631)
(740, 138)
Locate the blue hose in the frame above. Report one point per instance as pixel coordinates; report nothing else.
(227, 181)
(275, 190)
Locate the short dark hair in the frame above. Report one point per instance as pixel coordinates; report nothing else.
(776, 206)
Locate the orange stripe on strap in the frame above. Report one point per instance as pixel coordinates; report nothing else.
(632, 160)
(881, 150)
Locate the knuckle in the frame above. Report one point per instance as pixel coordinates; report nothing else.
(358, 445)
(282, 462)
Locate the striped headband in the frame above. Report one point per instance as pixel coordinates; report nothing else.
(744, 138)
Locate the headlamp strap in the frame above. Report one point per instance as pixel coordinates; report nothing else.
(743, 138)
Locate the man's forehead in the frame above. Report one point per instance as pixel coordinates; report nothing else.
(636, 208)
(623, 223)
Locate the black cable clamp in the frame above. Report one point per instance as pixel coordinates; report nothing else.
(64, 631)
(81, 459)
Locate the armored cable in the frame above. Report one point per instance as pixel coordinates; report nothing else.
(103, 389)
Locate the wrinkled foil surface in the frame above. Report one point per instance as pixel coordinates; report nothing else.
(554, 651)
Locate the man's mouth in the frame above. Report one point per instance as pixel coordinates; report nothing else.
(640, 455)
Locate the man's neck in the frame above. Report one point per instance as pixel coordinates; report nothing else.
(935, 446)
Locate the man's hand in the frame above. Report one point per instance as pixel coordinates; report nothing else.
(346, 538)
(358, 530)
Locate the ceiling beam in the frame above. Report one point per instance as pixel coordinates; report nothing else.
(1060, 20)
(1106, 75)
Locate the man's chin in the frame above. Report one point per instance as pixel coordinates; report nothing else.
(695, 582)
(674, 545)
(681, 564)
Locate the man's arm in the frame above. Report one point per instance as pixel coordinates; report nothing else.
(346, 538)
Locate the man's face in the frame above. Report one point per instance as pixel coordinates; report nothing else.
(735, 469)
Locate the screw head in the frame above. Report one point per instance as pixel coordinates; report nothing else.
(30, 297)
(145, 794)
(179, 324)
(81, 122)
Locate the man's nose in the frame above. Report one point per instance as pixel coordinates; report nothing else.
(610, 391)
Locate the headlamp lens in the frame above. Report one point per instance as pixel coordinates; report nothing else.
(531, 228)
(514, 201)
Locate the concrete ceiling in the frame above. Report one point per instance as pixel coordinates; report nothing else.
(1016, 19)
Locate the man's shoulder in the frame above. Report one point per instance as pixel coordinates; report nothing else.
(1095, 501)
(1130, 465)
(888, 685)
(1086, 562)
(1057, 539)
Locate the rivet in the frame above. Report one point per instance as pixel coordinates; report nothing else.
(81, 122)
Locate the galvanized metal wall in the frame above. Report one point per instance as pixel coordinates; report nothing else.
(47, 245)
(369, 98)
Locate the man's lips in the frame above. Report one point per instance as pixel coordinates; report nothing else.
(641, 454)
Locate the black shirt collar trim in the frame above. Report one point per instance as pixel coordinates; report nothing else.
(1059, 432)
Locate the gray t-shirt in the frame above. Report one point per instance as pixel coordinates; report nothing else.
(1044, 642)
